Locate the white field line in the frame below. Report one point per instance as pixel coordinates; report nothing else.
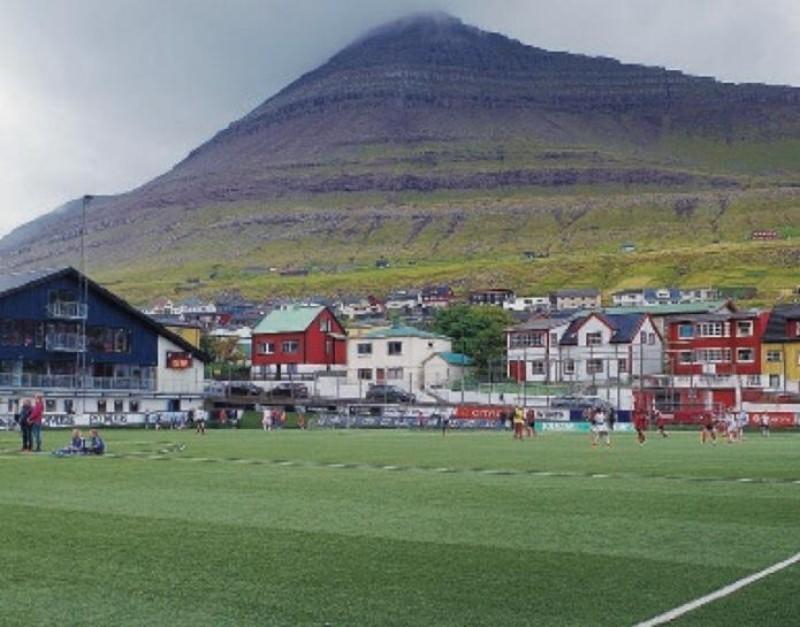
(722, 592)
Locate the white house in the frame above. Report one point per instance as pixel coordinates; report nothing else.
(593, 348)
(443, 369)
(394, 355)
(533, 349)
(528, 303)
(587, 298)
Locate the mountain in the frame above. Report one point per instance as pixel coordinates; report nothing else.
(426, 141)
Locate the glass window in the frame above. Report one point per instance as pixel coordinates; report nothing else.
(394, 373)
(745, 355)
(710, 329)
(364, 348)
(290, 346)
(50, 405)
(685, 357)
(101, 406)
(569, 366)
(594, 366)
(118, 407)
(365, 374)
(774, 357)
(267, 348)
(133, 406)
(594, 339)
(685, 330)
(622, 365)
(395, 348)
(537, 367)
(744, 328)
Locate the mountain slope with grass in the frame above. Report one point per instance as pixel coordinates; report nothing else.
(453, 152)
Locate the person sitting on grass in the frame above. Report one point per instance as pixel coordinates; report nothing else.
(75, 446)
(96, 444)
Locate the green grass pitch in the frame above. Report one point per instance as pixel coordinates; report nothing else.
(396, 528)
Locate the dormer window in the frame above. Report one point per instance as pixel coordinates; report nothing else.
(594, 339)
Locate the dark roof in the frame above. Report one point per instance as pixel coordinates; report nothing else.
(624, 327)
(12, 283)
(714, 317)
(540, 324)
(577, 293)
(776, 325)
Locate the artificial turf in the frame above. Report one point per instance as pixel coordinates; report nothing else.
(396, 528)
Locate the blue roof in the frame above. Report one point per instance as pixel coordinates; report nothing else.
(624, 327)
(456, 359)
(403, 331)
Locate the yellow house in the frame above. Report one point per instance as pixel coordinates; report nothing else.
(189, 332)
(780, 349)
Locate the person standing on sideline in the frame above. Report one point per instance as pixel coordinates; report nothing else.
(707, 432)
(200, 420)
(266, 419)
(763, 421)
(36, 417)
(445, 422)
(25, 424)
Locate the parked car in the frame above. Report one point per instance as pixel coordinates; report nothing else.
(289, 390)
(389, 394)
(580, 402)
(244, 388)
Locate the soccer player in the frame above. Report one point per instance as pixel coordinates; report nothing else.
(200, 421)
(764, 423)
(530, 419)
(600, 428)
(661, 423)
(640, 424)
(519, 423)
(707, 431)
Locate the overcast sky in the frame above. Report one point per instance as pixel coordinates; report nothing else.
(98, 96)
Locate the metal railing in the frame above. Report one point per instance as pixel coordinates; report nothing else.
(68, 310)
(75, 382)
(65, 342)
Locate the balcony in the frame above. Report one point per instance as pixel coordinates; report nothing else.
(76, 382)
(65, 342)
(64, 310)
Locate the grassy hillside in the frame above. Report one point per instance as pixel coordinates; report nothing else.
(683, 238)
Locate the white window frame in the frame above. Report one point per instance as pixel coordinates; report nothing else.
(266, 348)
(594, 339)
(537, 367)
(592, 366)
(364, 374)
(710, 329)
(747, 325)
(774, 357)
(569, 366)
(739, 358)
(394, 374)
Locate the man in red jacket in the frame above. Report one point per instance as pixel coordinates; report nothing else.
(35, 420)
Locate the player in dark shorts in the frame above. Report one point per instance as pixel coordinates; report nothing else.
(530, 422)
(661, 423)
(707, 432)
(445, 422)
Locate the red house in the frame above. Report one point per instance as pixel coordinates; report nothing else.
(713, 359)
(298, 339)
